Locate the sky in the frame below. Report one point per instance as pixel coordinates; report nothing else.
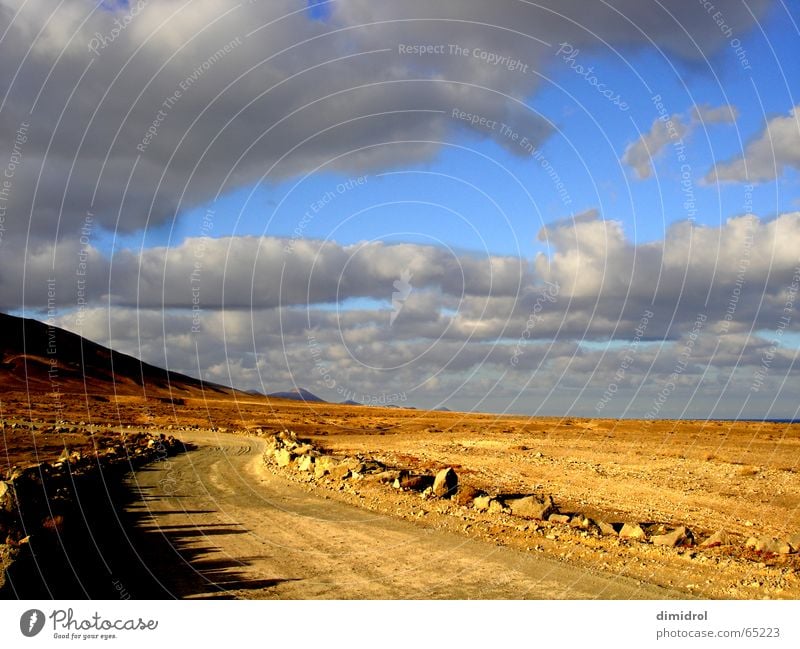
(555, 208)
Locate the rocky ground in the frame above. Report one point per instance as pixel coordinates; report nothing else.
(697, 560)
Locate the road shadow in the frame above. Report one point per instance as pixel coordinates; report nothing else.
(112, 546)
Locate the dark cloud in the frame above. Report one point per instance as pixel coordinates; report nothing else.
(175, 103)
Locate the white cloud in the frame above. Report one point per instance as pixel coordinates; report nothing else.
(705, 114)
(640, 154)
(767, 155)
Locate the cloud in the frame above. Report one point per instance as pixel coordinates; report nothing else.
(568, 319)
(767, 155)
(639, 155)
(186, 102)
(705, 114)
(604, 281)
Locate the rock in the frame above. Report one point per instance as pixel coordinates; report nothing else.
(445, 483)
(498, 507)
(305, 463)
(466, 495)
(717, 538)
(384, 477)
(355, 465)
(283, 458)
(581, 522)
(680, 536)
(326, 462)
(794, 541)
(531, 507)
(414, 482)
(606, 529)
(558, 518)
(339, 472)
(769, 544)
(481, 503)
(6, 497)
(303, 449)
(632, 531)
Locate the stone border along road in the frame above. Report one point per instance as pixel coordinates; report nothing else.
(217, 522)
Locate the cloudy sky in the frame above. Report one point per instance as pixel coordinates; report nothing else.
(563, 207)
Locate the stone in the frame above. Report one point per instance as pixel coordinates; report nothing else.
(355, 465)
(414, 482)
(532, 507)
(283, 457)
(466, 495)
(769, 544)
(303, 449)
(497, 507)
(384, 477)
(581, 522)
(606, 529)
(562, 519)
(305, 463)
(339, 472)
(794, 541)
(680, 536)
(632, 531)
(326, 462)
(481, 503)
(716, 539)
(6, 497)
(445, 483)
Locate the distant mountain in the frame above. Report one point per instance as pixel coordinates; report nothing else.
(443, 409)
(297, 394)
(350, 402)
(37, 357)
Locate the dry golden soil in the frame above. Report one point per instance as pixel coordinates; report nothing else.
(740, 477)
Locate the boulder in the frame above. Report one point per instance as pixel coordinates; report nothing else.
(769, 544)
(606, 529)
(384, 477)
(680, 536)
(466, 495)
(717, 538)
(326, 462)
(283, 457)
(531, 507)
(305, 463)
(339, 472)
(355, 465)
(481, 503)
(581, 522)
(445, 483)
(562, 519)
(414, 482)
(6, 497)
(498, 507)
(303, 449)
(794, 541)
(632, 531)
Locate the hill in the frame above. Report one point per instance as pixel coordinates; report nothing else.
(36, 357)
(297, 394)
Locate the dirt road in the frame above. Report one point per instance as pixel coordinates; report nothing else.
(213, 523)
